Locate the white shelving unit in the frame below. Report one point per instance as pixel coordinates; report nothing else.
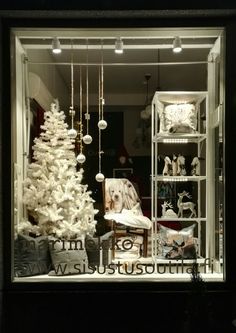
(174, 143)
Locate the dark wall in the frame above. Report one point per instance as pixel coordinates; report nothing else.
(109, 312)
(109, 4)
(1, 188)
(50, 308)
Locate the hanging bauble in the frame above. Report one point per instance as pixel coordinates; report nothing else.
(99, 177)
(87, 139)
(102, 124)
(81, 158)
(72, 133)
(148, 110)
(144, 115)
(72, 111)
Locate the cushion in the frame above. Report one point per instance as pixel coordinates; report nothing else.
(178, 118)
(174, 244)
(31, 255)
(92, 245)
(129, 247)
(68, 256)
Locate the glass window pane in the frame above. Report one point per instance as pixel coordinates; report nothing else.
(118, 157)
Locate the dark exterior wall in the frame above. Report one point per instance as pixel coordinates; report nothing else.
(52, 309)
(1, 190)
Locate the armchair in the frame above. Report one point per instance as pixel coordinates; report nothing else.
(124, 213)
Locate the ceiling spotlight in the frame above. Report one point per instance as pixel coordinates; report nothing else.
(119, 46)
(177, 45)
(56, 46)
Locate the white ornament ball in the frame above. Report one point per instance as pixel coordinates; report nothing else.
(144, 115)
(81, 158)
(99, 177)
(72, 133)
(148, 110)
(87, 139)
(102, 124)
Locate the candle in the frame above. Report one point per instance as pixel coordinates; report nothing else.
(100, 256)
(109, 256)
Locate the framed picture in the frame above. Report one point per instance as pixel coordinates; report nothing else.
(122, 172)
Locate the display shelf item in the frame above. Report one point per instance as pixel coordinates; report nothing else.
(178, 178)
(181, 112)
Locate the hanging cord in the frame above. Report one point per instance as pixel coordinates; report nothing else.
(147, 77)
(99, 118)
(147, 94)
(72, 111)
(87, 117)
(80, 111)
(102, 77)
(99, 93)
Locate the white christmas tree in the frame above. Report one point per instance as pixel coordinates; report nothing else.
(53, 193)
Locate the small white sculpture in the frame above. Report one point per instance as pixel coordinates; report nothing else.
(167, 170)
(185, 205)
(168, 213)
(174, 165)
(195, 167)
(181, 171)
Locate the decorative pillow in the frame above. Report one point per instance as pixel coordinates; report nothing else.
(178, 118)
(174, 244)
(93, 246)
(68, 256)
(31, 256)
(129, 247)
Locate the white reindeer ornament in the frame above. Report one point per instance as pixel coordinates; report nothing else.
(167, 210)
(189, 205)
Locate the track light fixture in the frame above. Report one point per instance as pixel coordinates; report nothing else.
(56, 46)
(119, 46)
(177, 45)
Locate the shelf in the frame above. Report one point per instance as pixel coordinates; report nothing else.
(180, 261)
(179, 138)
(178, 178)
(165, 143)
(179, 219)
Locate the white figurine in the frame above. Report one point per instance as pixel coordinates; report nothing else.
(181, 171)
(167, 167)
(174, 165)
(185, 205)
(195, 167)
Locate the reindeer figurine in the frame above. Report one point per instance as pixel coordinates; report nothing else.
(182, 251)
(181, 171)
(168, 213)
(167, 170)
(185, 205)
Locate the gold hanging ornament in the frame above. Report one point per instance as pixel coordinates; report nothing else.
(102, 124)
(87, 139)
(80, 157)
(72, 133)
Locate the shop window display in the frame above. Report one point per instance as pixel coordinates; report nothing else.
(78, 156)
